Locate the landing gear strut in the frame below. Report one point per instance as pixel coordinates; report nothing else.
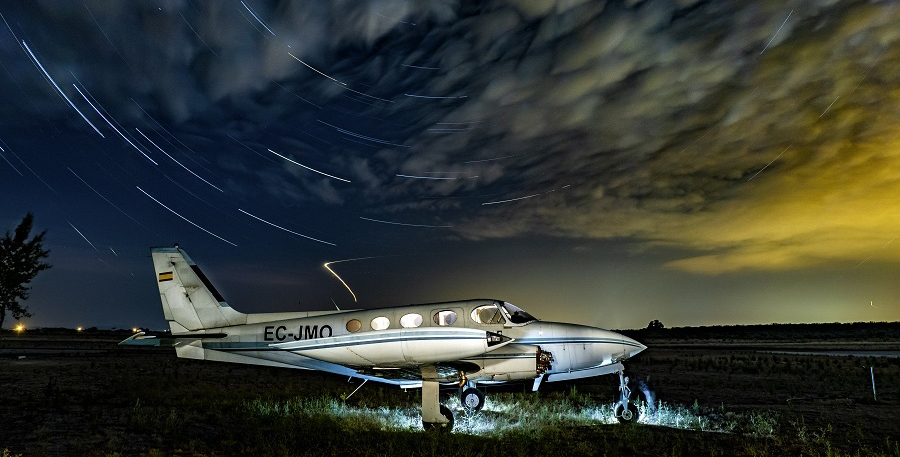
(625, 411)
(434, 414)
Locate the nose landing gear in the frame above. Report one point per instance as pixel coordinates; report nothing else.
(625, 410)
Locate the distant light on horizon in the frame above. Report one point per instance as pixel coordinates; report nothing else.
(20, 328)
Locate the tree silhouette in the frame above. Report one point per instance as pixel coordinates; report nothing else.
(655, 324)
(20, 261)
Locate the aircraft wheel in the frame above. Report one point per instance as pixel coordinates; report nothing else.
(627, 415)
(472, 399)
(445, 427)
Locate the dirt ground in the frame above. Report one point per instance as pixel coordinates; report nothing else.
(77, 395)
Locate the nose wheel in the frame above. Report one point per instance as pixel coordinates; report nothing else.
(472, 399)
(626, 414)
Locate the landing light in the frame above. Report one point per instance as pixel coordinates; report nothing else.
(78, 329)
(134, 330)
(20, 328)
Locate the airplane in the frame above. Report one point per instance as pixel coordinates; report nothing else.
(461, 343)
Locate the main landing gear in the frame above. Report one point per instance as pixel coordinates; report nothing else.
(435, 416)
(471, 398)
(625, 410)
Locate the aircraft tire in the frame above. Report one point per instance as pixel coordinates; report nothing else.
(627, 416)
(472, 399)
(443, 427)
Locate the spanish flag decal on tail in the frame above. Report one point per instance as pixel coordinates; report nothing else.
(166, 276)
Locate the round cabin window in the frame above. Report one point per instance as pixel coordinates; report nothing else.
(444, 318)
(411, 320)
(353, 325)
(380, 323)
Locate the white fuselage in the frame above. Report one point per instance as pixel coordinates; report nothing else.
(381, 342)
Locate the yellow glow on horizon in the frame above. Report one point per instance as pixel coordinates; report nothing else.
(79, 329)
(20, 328)
(134, 330)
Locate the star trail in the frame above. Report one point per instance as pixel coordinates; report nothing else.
(606, 162)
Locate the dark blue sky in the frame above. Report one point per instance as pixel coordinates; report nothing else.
(604, 162)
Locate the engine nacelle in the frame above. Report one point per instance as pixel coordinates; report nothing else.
(512, 362)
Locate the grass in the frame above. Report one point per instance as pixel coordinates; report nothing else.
(506, 413)
(559, 423)
(715, 402)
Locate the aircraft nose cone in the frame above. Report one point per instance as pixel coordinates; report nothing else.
(632, 347)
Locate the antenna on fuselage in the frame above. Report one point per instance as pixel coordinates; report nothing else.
(335, 304)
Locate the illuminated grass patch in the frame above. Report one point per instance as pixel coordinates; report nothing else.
(513, 413)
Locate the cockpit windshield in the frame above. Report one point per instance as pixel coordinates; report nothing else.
(517, 315)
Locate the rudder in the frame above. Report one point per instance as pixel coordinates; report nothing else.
(190, 302)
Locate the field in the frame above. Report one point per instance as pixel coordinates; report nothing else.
(79, 394)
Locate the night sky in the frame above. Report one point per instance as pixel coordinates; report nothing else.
(600, 162)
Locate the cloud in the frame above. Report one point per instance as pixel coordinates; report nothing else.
(686, 121)
(758, 135)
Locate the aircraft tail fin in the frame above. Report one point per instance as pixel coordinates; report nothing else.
(190, 302)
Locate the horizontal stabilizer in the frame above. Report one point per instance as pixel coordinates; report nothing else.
(142, 339)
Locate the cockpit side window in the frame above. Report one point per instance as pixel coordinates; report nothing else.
(517, 315)
(487, 315)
